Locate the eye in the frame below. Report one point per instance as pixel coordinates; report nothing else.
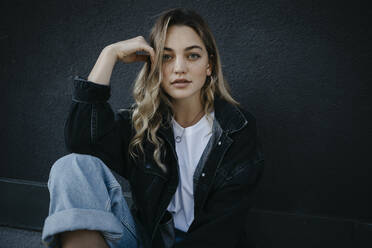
(194, 56)
(166, 57)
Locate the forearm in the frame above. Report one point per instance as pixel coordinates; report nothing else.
(89, 117)
(102, 70)
(91, 127)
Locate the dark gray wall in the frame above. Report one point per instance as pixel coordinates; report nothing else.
(301, 67)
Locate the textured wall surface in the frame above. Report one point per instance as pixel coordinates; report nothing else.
(301, 67)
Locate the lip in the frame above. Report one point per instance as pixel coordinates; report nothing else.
(180, 83)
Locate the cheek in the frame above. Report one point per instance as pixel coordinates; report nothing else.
(164, 84)
(201, 67)
(165, 72)
(199, 70)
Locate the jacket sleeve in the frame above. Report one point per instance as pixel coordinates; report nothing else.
(223, 219)
(93, 128)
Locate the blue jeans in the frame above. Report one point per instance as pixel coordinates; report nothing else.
(85, 195)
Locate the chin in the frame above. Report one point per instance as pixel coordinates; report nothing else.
(179, 96)
(183, 95)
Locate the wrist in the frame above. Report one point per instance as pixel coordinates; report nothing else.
(101, 72)
(110, 52)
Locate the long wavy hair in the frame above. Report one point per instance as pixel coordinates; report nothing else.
(153, 106)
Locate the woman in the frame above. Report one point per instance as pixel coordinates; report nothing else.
(188, 150)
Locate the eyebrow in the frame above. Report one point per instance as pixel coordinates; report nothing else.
(186, 49)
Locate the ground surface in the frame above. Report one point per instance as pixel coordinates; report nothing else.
(18, 238)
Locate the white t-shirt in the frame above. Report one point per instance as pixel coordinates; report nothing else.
(189, 151)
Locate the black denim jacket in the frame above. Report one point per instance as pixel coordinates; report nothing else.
(224, 180)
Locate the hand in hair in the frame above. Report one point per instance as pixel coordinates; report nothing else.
(127, 51)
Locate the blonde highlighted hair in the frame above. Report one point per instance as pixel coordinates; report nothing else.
(152, 103)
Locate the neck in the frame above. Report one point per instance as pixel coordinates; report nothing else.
(187, 112)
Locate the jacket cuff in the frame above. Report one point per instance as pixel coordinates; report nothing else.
(89, 92)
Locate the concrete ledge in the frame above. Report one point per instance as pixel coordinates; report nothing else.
(25, 206)
(19, 238)
(278, 229)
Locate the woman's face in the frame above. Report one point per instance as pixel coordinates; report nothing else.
(186, 58)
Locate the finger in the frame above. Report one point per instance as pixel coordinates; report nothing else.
(152, 54)
(141, 57)
(149, 50)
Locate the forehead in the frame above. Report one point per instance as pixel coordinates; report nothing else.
(179, 37)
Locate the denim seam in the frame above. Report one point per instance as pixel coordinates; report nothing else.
(110, 236)
(88, 102)
(108, 205)
(111, 187)
(129, 227)
(93, 124)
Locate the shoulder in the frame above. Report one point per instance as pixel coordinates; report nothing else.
(247, 114)
(247, 151)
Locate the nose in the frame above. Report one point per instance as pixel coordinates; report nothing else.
(180, 65)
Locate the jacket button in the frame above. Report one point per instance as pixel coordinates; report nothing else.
(203, 174)
(219, 143)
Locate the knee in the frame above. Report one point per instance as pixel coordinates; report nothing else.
(72, 167)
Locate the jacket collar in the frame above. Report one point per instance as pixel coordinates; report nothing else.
(230, 118)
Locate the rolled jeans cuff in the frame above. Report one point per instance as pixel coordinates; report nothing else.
(75, 219)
